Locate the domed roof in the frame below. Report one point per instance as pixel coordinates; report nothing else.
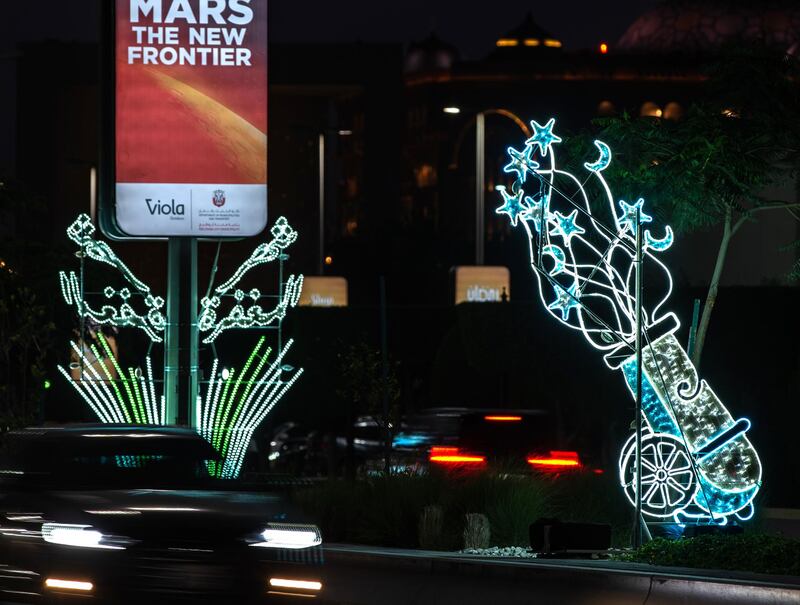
(530, 35)
(707, 25)
(430, 54)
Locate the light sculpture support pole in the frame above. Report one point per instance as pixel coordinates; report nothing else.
(637, 522)
(480, 159)
(182, 339)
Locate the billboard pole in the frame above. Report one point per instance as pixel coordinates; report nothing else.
(182, 338)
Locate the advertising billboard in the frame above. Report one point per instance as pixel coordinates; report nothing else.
(191, 117)
(482, 284)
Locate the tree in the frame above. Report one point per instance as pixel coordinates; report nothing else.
(711, 168)
(363, 387)
(26, 326)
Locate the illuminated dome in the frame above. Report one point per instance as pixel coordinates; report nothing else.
(707, 25)
(431, 54)
(528, 35)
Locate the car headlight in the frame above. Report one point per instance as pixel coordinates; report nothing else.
(84, 536)
(289, 535)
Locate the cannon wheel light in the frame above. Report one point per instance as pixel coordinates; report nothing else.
(668, 483)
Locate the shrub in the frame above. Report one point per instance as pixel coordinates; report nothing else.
(388, 511)
(760, 553)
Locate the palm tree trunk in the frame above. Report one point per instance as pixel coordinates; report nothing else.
(713, 288)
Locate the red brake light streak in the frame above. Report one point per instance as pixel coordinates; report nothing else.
(452, 455)
(557, 460)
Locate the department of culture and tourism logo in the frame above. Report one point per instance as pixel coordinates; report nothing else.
(219, 198)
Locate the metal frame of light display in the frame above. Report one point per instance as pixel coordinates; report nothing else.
(234, 404)
(697, 461)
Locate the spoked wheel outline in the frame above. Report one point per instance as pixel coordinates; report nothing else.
(668, 480)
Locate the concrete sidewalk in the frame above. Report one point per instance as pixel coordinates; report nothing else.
(359, 575)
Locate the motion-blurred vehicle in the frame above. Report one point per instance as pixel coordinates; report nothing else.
(301, 452)
(132, 514)
(462, 438)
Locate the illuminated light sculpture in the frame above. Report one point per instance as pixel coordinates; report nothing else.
(255, 316)
(152, 321)
(136, 402)
(236, 403)
(697, 461)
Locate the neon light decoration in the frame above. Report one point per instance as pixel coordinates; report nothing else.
(135, 403)
(152, 321)
(698, 463)
(235, 405)
(254, 316)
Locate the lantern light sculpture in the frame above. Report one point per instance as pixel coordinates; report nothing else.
(697, 463)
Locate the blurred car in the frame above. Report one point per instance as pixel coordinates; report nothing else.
(131, 514)
(465, 438)
(298, 451)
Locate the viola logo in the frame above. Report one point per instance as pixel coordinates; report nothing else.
(165, 208)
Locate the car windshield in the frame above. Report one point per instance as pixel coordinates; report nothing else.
(109, 461)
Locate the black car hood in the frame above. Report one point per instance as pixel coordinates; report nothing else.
(186, 514)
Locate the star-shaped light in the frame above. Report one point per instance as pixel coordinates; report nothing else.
(513, 205)
(543, 136)
(521, 162)
(565, 300)
(566, 227)
(534, 212)
(628, 218)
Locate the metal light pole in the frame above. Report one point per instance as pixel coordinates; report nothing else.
(637, 522)
(480, 164)
(321, 164)
(181, 338)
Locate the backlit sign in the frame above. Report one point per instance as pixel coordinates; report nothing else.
(191, 117)
(323, 291)
(482, 284)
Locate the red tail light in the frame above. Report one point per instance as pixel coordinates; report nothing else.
(452, 455)
(557, 460)
(502, 418)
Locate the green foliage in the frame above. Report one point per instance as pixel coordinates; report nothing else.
(713, 167)
(25, 341)
(759, 553)
(721, 155)
(361, 380)
(26, 326)
(387, 510)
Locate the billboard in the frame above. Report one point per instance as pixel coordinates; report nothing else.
(191, 117)
(323, 291)
(482, 284)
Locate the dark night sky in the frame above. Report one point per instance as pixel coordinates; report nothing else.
(471, 26)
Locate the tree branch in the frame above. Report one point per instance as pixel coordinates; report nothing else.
(746, 214)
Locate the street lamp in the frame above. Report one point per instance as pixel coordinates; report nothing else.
(480, 163)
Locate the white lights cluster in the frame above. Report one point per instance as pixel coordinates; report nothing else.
(698, 463)
(136, 402)
(151, 320)
(236, 404)
(254, 316)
